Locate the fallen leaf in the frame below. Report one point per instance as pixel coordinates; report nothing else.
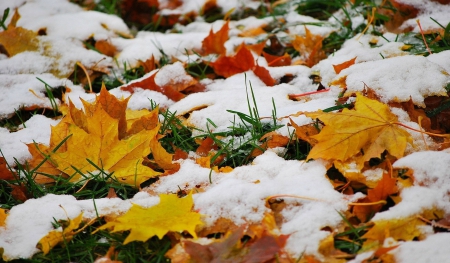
(262, 247)
(370, 127)
(171, 214)
(253, 32)
(17, 40)
(148, 65)
(264, 75)
(56, 237)
(310, 47)
(93, 142)
(386, 186)
(277, 61)
(5, 173)
(305, 132)
(405, 229)
(228, 66)
(206, 146)
(105, 47)
(148, 82)
(339, 67)
(3, 216)
(214, 42)
(257, 48)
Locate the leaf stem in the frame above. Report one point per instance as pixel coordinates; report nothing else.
(381, 202)
(429, 133)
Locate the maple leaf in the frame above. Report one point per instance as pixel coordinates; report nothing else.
(15, 40)
(214, 42)
(277, 61)
(97, 139)
(264, 75)
(5, 173)
(385, 187)
(171, 214)
(310, 47)
(105, 47)
(370, 128)
(150, 84)
(228, 66)
(406, 229)
(56, 237)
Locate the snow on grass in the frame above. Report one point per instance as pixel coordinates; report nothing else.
(239, 195)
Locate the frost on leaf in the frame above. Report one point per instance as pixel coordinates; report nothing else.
(171, 214)
(98, 139)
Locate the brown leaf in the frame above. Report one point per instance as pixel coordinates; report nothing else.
(148, 65)
(19, 192)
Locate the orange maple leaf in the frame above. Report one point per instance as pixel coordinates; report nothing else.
(228, 66)
(277, 61)
(310, 47)
(370, 128)
(171, 214)
(150, 84)
(264, 75)
(214, 42)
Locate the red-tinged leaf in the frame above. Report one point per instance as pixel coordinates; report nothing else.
(214, 42)
(264, 75)
(229, 66)
(150, 84)
(5, 173)
(339, 67)
(139, 11)
(180, 154)
(165, 20)
(277, 61)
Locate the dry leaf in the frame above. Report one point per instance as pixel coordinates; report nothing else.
(405, 229)
(305, 132)
(105, 47)
(171, 214)
(370, 128)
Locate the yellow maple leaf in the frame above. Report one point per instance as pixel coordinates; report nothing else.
(405, 229)
(310, 47)
(56, 237)
(97, 139)
(370, 128)
(171, 214)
